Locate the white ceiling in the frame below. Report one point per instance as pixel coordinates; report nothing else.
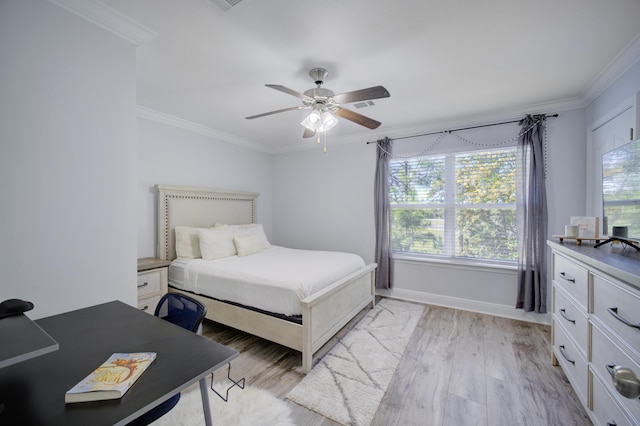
(445, 62)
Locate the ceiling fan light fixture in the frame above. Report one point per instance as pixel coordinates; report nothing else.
(320, 120)
(313, 121)
(329, 121)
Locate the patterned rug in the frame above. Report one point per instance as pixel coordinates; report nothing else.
(349, 382)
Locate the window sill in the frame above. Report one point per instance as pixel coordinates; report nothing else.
(457, 263)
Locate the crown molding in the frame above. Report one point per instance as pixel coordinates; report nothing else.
(620, 64)
(109, 19)
(170, 120)
(397, 132)
(444, 125)
(507, 114)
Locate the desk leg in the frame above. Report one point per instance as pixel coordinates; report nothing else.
(204, 392)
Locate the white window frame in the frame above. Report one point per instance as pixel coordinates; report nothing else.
(450, 207)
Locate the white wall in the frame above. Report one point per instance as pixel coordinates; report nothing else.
(566, 171)
(172, 156)
(618, 92)
(609, 118)
(325, 201)
(68, 160)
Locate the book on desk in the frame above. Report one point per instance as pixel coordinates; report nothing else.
(112, 379)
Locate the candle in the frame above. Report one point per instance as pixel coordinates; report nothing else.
(571, 231)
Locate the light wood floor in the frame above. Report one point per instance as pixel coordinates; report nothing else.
(459, 368)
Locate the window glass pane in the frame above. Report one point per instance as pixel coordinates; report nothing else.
(486, 177)
(417, 180)
(486, 234)
(624, 214)
(417, 231)
(456, 205)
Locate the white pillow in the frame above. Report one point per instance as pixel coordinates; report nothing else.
(219, 242)
(259, 231)
(243, 226)
(187, 243)
(216, 243)
(251, 241)
(248, 244)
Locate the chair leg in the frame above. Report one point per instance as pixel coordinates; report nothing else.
(239, 383)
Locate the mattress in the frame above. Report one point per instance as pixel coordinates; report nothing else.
(274, 280)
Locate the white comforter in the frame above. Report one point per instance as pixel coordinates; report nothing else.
(275, 280)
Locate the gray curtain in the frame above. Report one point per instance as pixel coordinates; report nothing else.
(384, 272)
(532, 217)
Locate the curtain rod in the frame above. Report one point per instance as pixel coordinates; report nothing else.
(464, 128)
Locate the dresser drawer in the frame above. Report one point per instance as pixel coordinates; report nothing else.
(148, 304)
(149, 283)
(604, 408)
(606, 352)
(613, 304)
(574, 320)
(571, 277)
(572, 362)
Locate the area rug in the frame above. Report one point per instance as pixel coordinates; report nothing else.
(246, 407)
(349, 382)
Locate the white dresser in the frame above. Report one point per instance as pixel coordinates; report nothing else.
(153, 277)
(596, 325)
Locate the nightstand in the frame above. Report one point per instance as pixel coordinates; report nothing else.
(153, 276)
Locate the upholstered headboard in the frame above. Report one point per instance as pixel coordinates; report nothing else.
(199, 208)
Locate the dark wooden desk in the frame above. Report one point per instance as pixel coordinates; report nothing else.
(33, 391)
(22, 339)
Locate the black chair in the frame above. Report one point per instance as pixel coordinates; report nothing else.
(181, 310)
(187, 313)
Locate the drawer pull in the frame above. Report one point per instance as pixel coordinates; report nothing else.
(614, 311)
(564, 354)
(563, 312)
(144, 308)
(612, 423)
(567, 277)
(144, 284)
(625, 381)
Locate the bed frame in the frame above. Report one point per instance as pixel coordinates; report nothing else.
(323, 313)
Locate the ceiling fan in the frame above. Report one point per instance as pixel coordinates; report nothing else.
(326, 105)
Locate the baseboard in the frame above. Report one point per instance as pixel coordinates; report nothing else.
(466, 305)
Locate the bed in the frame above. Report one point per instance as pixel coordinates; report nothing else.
(322, 313)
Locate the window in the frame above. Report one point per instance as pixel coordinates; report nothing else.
(460, 205)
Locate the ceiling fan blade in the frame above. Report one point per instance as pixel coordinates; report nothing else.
(276, 112)
(290, 92)
(357, 118)
(369, 93)
(308, 133)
